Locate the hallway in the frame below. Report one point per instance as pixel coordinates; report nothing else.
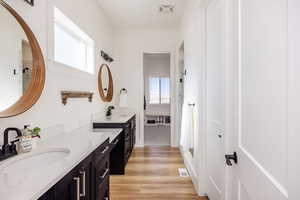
(152, 174)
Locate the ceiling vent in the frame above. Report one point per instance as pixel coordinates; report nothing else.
(166, 8)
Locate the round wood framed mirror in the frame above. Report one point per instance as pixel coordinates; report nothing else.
(105, 83)
(22, 66)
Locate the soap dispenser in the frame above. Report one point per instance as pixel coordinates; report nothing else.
(25, 131)
(26, 140)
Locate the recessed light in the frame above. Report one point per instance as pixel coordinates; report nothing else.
(166, 8)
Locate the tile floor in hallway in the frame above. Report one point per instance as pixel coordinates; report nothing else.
(152, 174)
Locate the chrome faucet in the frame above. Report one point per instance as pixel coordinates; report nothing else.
(9, 150)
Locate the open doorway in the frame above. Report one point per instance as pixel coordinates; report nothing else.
(157, 101)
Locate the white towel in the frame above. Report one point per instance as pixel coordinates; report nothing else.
(123, 100)
(187, 127)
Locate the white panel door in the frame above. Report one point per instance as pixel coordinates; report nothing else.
(294, 99)
(262, 104)
(215, 100)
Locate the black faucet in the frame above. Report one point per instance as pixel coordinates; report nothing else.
(9, 150)
(109, 109)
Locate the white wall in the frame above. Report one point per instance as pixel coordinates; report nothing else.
(10, 59)
(193, 35)
(49, 110)
(129, 46)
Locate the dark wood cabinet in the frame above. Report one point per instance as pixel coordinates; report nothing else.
(86, 176)
(66, 188)
(87, 181)
(124, 144)
(117, 155)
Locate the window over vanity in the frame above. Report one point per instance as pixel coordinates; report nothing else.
(72, 46)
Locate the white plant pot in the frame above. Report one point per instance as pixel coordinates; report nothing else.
(35, 142)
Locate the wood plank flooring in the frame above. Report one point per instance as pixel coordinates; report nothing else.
(152, 174)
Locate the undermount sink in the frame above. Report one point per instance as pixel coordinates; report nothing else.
(29, 164)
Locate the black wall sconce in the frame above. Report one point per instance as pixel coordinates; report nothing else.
(31, 2)
(106, 57)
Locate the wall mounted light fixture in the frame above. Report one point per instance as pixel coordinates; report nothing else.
(31, 2)
(106, 57)
(166, 8)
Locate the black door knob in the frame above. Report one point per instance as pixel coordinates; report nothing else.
(230, 157)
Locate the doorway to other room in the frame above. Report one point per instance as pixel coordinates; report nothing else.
(157, 101)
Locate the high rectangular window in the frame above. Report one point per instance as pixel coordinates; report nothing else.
(159, 90)
(73, 47)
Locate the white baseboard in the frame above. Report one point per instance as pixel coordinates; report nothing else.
(188, 163)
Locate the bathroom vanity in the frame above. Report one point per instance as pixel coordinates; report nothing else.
(88, 180)
(121, 154)
(66, 166)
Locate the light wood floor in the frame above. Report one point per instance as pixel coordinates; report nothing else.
(152, 174)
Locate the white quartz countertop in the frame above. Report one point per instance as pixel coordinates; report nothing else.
(30, 183)
(115, 118)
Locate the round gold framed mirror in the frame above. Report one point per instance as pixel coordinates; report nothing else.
(22, 66)
(105, 83)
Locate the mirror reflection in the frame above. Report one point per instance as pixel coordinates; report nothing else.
(105, 83)
(16, 60)
(105, 79)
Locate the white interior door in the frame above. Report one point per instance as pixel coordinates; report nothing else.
(262, 100)
(215, 99)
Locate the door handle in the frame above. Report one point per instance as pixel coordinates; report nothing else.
(230, 157)
(83, 184)
(77, 179)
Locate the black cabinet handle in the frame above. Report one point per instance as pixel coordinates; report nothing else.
(230, 157)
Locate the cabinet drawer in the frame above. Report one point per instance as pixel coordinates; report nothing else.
(115, 142)
(102, 170)
(102, 180)
(101, 152)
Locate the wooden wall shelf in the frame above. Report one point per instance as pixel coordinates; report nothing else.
(75, 94)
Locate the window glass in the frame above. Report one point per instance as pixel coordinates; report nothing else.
(159, 90)
(165, 90)
(72, 46)
(154, 90)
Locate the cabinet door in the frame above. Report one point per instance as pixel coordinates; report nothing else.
(102, 179)
(85, 174)
(69, 187)
(133, 131)
(127, 138)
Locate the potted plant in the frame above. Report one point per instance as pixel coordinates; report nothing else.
(35, 134)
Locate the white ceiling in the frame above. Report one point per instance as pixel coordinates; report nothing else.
(141, 14)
